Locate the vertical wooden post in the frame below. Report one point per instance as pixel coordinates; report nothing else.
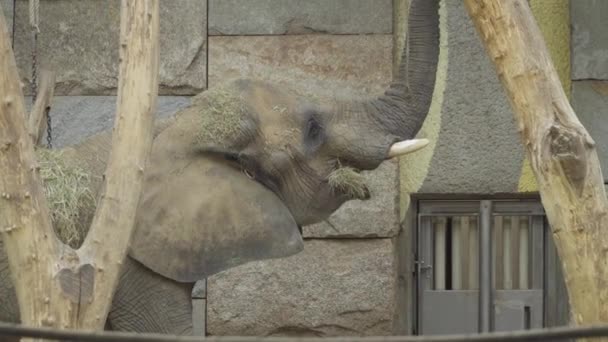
(108, 239)
(561, 152)
(57, 286)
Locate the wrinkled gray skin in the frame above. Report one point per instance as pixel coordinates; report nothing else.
(241, 192)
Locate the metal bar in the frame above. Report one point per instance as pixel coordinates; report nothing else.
(485, 267)
(524, 260)
(552, 334)
(507, 251)
(474, 253)
(466, 254)
(440, 249)
(457, 259)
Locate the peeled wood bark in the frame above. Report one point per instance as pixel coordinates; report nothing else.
(107, 241)
(562, 154)
(37, 122)
(57, 286)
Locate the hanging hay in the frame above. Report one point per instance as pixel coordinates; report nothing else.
(348, 181)
(222, 116)
(68, 193)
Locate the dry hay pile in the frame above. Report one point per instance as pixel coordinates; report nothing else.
(348, 181)
(221, 117)
(68, 191)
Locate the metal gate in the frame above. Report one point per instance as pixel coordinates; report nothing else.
(480, 266)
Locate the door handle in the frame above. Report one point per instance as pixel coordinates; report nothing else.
(422, 267)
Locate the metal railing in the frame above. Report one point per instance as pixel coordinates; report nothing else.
(550, 334)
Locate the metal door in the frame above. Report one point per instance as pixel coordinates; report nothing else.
(456, 250)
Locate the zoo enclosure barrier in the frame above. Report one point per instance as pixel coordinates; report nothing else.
(551, 334)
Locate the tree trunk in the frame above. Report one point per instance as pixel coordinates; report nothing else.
(57, 286)
(562, 154)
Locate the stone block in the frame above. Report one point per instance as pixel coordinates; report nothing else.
(590, 102)
(376, 217)
(74, 118)
(324, 65)
(589, 39)
(478, 149)
(269, 17)
(332, 288)
(7, 9)
(79, 40)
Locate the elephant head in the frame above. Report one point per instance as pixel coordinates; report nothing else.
(234, 176)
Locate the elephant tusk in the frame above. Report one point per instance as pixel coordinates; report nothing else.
(406, 146)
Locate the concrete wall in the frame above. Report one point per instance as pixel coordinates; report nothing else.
(6, 7)
(590, 71)
(352, 277)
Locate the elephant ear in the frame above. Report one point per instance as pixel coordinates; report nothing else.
(204, 216)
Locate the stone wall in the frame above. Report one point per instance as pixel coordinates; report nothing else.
(590, 71)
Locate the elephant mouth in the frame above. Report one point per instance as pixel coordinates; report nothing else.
(347, 181)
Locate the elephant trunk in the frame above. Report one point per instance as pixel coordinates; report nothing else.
(378, 129)
(405, 104)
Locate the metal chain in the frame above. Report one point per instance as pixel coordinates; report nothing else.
(49, 139)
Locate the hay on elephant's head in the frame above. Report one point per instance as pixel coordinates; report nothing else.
(68, 193)
(221, 117)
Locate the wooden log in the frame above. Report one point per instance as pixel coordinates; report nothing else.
(25, 223)
(57, 286)
(37, 122)
(562, 154)
(108, 239)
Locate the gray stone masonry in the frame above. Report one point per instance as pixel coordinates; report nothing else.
(7, 9)
(590, 102)
(265, 17)
(332, 288)
(323, 65)
(79, 40)
(589, 22)
(74, 118)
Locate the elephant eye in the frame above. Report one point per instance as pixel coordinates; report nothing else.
(313, 130)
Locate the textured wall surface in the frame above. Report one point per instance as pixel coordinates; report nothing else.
(7, 9)
(272, 17)
(79, 40)
(590, 71)
(334, 287)
(589, 39)
(590, 100)
(477, 150)
(323, 65)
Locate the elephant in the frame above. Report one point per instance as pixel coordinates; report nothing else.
(233, 178)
